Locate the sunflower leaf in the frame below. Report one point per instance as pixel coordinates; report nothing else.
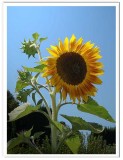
(23, 80)
(80, 124)
(42, 39)
(38, 68)
(14, 142)
(92, 107)
(22, 111)
(33, 98)
(23, 94)
(73, 142)
(20, 85)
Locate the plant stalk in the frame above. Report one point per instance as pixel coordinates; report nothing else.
(53, 128)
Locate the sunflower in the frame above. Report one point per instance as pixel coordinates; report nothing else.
(73, 68)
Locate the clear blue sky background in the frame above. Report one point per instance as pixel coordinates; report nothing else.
(92, 23)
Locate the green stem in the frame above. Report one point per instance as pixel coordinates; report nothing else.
(59, 106)
(34, 146)
(54, 111)
(47, 107)
(53, 128)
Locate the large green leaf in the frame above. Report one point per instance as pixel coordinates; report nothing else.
(92, 107)
(22, 111)
(80, 124)
(73, 142)
(38, 68)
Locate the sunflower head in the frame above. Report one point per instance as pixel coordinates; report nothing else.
(73, 68)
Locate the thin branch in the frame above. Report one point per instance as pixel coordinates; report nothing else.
(65, 104)
(47, 107)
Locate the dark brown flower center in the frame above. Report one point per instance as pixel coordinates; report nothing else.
(71, 67)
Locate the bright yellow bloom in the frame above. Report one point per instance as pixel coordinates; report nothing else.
(73, 68)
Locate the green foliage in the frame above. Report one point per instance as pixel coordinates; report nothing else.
(108, 134)
(33, 97)
(38, 68)
(35, 36)
(92, 107)
(23, 80)
(94, 146)
(23, 94)
(42, 39)
(80, 124)
(22, 111)
(73, 142)
(62, 136)
(37, 135)
(22, 137)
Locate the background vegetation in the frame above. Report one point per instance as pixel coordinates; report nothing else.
(103, 143)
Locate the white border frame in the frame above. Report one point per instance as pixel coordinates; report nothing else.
(6, 3)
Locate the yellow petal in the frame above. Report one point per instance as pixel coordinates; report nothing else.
(73, 39)
(66, 44)
(61, 46)
(52, 52)
(95, 79)
(55, 48)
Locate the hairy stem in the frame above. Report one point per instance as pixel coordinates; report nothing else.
(53, 128)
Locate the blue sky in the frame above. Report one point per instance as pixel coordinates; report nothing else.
(91, 23)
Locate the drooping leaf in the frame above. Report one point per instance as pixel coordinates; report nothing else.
(42, 39)
(35, 36)
(80, 124)
(40, 102)
(22, 111)
(73, 142)
(92, 107)
(33, 98)
(38, 68)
